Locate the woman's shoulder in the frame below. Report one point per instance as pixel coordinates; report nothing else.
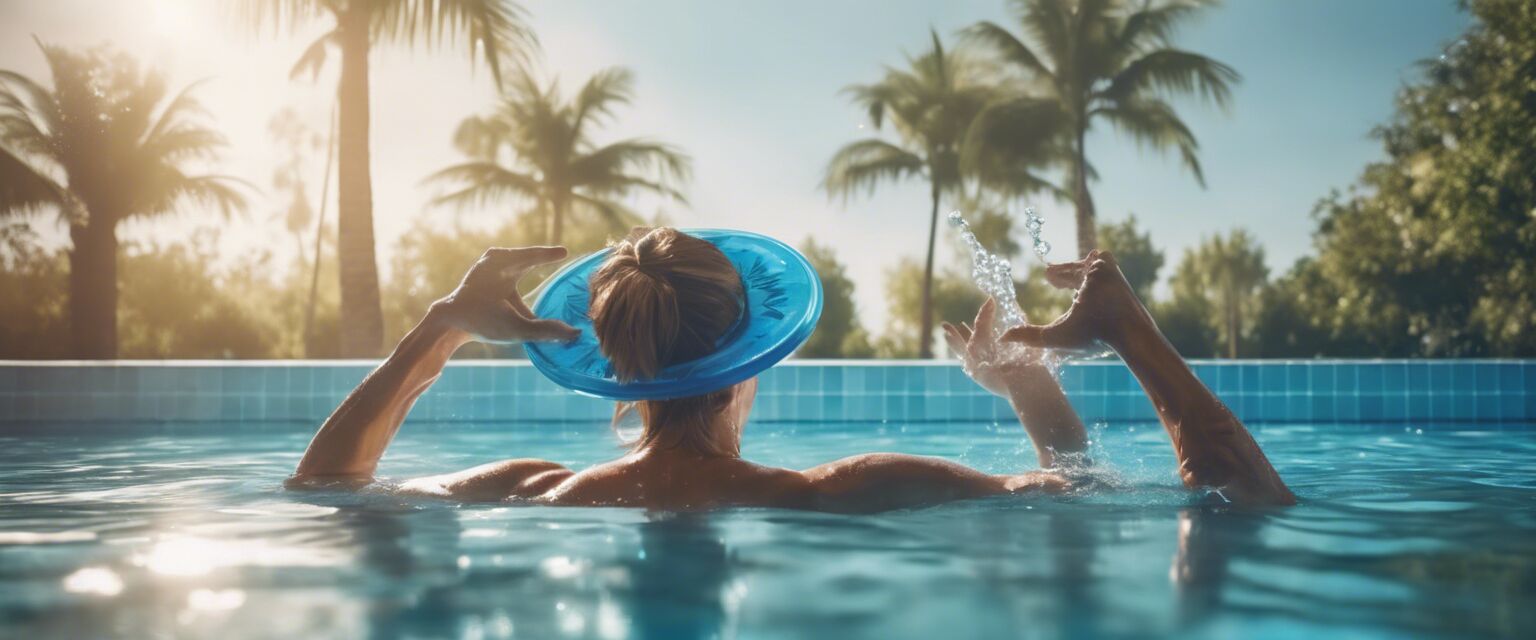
(770, 486)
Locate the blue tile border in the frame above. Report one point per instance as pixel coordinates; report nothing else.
(1373, 391)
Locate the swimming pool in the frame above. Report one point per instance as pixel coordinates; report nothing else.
(161, 531)
(118, 528)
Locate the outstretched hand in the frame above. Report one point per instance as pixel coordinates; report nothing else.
(1103, 308)
(988, 361)
(487, 306)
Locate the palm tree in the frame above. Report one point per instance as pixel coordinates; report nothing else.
(1111, 60)
(105, 144)
(1229, 272)
(537, 146)
(494, 29)
(931, 105)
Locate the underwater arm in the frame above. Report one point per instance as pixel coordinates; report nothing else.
(485, 307)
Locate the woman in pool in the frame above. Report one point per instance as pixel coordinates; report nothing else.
(663, 297)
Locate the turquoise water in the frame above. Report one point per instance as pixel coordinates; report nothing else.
(112, 531)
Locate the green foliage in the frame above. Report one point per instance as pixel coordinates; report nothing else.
(1187, 323)
(495, 30)
(174, 306)
(106, 143)
(1087, 61)
(1139, 260)
(1228, 273)
(838, 334)
(110, 140)
(955, 299)
(536, 148)
(1433, 252)
(33, 305)
(931, 105)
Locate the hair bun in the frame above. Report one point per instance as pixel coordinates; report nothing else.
(662, 297)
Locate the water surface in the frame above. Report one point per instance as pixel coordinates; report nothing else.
(112, 530)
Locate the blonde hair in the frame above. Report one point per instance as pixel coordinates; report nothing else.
(665, 297)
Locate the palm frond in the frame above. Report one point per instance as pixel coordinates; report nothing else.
(1172, 71)
(183, 143)
(1049, 23)
(494, 29)
(484, 183)
(172, 191)
(480, 137)
(22, 188)
(1011, 138)
(34, 99)
(177, 113)
(610, 166)
(864, 164)
(605, 90)
(280, 15)
(874, 98)
(1006, 46)
(313, 58)
(1154, 123)
(1157, 24)
(19, 130)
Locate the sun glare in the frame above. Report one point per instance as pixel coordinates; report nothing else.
(171, 18)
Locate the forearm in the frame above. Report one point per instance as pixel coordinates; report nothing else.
(354, 437)
(1213, 447)
(1170, 384)
(1042, 407)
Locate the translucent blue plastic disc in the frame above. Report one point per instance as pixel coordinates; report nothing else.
(783, 303)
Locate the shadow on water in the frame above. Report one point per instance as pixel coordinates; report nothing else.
(407, 560)
(676, 586)
(679, 580)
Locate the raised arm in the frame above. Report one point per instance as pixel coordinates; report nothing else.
(1016, 372)
(1214, 449)
(485, 307)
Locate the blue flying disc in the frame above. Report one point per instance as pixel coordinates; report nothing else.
(783, 303)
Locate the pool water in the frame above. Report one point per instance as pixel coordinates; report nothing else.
(139, 532)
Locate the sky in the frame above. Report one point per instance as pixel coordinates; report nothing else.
(752, 92)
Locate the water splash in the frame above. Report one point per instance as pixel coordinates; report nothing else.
(992, 273)
(1034, 224)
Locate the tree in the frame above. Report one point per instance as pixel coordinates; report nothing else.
(108, 143)
(177, 305)
(537, 147)
(838, 334)
(1433, 251)
(298, 143)
(955, 299)
(493, 29)
(1091, 60)
(1139, 259)
(1228, 273)
(931, 105)
(34, 303)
